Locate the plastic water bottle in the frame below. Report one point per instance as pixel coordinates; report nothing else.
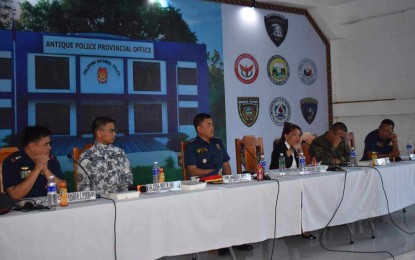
(263, 162)
(353, 161)
(52, 193)
(156, 171)
(281, 163)
(409, 149)
(301, 162)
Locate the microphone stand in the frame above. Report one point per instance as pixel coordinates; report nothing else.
(250, 153)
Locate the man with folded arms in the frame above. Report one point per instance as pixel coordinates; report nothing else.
(206, 155)
(383, 141)
(108, 168)
(26, 172)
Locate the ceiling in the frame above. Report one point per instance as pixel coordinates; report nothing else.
(334, 16)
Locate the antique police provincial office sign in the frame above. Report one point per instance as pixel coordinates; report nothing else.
(81, 196)
(164, 186)
(236, 178)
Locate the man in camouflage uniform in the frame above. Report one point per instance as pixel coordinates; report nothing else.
(331, 148)
(205, 154)
(107, 167)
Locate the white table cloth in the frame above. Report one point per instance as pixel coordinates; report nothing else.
(155, 225)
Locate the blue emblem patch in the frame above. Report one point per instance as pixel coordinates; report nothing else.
(309, 109)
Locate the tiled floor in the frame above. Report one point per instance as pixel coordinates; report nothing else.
(388, 238)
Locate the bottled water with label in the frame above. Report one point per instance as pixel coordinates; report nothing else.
(301, 162)
(409, 149)
(52, 192)
(281, 163)
(156, 171)
(353, 161)
(263, 162)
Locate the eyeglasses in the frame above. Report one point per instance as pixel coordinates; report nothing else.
(111, 130)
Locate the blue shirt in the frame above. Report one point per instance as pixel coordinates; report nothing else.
(18, 166)
(206, 155)
(373, 143)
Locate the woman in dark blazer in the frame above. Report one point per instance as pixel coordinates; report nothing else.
(288, 144)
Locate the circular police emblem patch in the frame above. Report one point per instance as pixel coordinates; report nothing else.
(246, 68)
(307, 71)
(280, 111)
(278, 70)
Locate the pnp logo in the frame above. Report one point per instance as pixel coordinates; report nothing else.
(102, 75)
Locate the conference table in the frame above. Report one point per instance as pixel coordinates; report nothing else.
(183, 222)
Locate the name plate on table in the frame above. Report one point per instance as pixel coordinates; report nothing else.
(81, 196)
(383, 161)
(164, 186)
(236, 178)
(318, 168)
(412, 156)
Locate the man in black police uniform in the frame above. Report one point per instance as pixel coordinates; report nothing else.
(205, 155)
(26, 172)
(383, 141)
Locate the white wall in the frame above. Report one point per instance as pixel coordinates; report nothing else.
(374, 61)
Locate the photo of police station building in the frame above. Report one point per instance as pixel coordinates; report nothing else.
(152, 89)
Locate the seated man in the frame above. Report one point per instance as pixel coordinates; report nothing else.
(26, 172)
(107, 166)
(383, 141)
(331, 148)
(205, 154)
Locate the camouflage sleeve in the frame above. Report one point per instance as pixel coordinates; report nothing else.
(323, 155)
(345, 153)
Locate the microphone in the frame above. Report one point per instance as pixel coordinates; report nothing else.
(69, 155)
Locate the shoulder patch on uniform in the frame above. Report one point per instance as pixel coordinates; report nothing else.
(192, 140)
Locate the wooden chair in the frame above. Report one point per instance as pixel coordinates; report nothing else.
(306, 147)
(181, 159)
(76, 153)
(350, 139)
(4, 153)
(248, 152)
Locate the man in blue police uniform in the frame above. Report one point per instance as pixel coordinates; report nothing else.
(26, 172)
(205, 155)
(383, 141)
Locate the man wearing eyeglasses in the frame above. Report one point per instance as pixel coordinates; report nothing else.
(331, 148)
(108, 168)
(383, 141)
